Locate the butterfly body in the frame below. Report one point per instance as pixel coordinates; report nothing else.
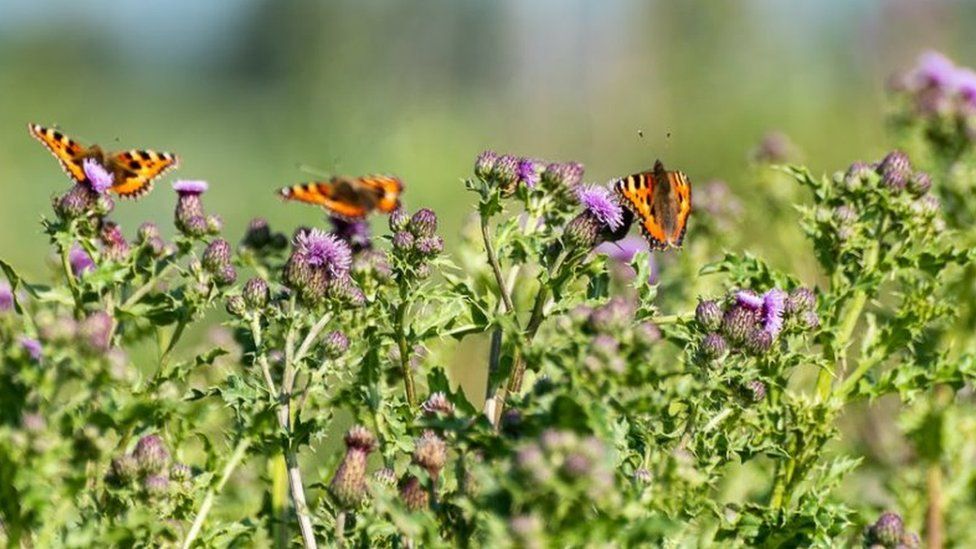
(661, 201)
(133, 171)
(349, 198)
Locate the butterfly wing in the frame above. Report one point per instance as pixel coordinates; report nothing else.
(135, 170)
(637, 192)
(387, 189)
(681, 202)
(338, 195)
(69, 152)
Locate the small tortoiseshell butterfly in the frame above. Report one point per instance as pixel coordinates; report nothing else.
(133, 171)
(349, 198)
(661, 200)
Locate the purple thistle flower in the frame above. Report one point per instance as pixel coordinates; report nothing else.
(80, 261)
(599, 202)
(773, 306)
(6, 296)
(32, 346)
(933, 70)
(321, 249)
(353, 233)
(965, 84)
(529, 172)
(98, 177)
(190, 187)
(749, 300)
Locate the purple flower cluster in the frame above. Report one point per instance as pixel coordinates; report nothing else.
(939, 90)
(565, 458)
(150, 465)
(415, 241)
(603, 219)
(509, 171)
(319, 267)
(751, 323)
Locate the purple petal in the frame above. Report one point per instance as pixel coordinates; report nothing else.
(97, 175)
(80, 261)
(773, 303)
(934, 69)
(600, 203)
(749, 300)
(6, 296)
(32, 346)
(190, 186)
(624, 250)
(965, 84)
(321, 249)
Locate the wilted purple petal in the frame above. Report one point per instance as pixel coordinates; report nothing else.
(599, 202)
(97, 175)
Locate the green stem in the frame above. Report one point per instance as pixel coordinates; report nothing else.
(496, 268)
(148, 286)
(235, 459)
(408, 383)
(279, 499)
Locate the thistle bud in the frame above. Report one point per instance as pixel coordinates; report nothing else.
(147, 231)
(737, 323)
(567, 175)
(156, 486)
(226, 276)
(78, 200)
(800, 300)
(236, 306)
(181, 472)
(336, 343)
(399, 220)
(506, 170)
(348, 486)
(151, 454)
(887, 530)
(582, 232)
(713, 347)
(430, 452)
(857, 175)
(430, 245)
(216, 256)
(96, 331)
(403, 241)
(643, 476)
(413, 494)
(385, 476)
(484, 164)
(123, 469)
(214, 224)
(256, 293)
(258, 233)
(895, 170)
(437, 403)
(759, 342)
(423, 223)
(709, 315)
(755, 390)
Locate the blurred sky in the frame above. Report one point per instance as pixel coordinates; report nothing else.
(245, 91)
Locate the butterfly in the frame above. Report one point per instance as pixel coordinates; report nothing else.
(661, 200)
(349, 198)
(133, 171)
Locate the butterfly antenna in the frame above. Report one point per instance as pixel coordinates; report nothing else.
(311, 170)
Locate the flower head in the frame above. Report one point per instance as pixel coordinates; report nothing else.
(965, 84)
(529, 172)
(96, 331)
(152, 455)
(190, 187)
(335, 344)
(563, 174)
(598, 201)
(98, 177)
(708, 314)
(749, 300)
(423, 223)
(323, 250)
(438, 403)
(933, 69)
(887, 530)
(772, 311)
(485, 163)
(430, 452)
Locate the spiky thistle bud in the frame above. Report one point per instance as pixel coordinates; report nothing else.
(437, 403)
(258, 233)
(887, 530)
(430, 452)
(505, 172)
(216, 255)
(413, 494)
(256, 293)
(430, 245)
(123, 469)
(895, 170)
(919, 183)
(335, 344)
(708, 313)
(348, 486)
(737, 324)
(399, 220)
(156, 486)
(236, 306)
(755, 390)
(385, 476)
(96, 331)
(151, 454)
(423, 223)
(484, 164)
(713, 347)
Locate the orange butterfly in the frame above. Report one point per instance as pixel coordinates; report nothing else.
(661, 200)
(349, 198)
(132, 171)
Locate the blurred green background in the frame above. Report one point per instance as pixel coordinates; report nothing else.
(247, 90)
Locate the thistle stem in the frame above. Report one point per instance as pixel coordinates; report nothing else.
(235, 459)
(408, 383)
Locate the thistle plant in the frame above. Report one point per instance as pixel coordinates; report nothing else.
(700, 397)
